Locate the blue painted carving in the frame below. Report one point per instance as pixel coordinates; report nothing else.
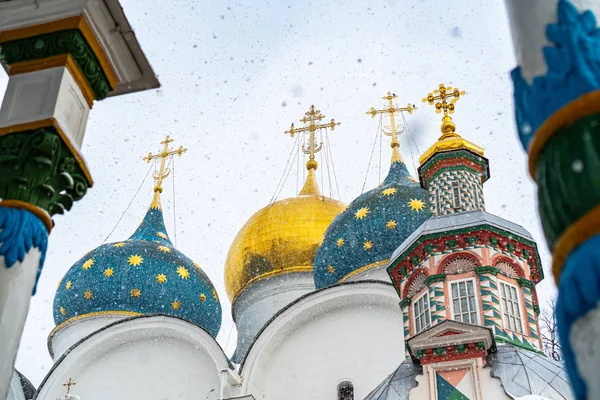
(578, 293)
(21, 230)
(573, 70)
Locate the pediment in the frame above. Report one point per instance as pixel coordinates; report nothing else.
(450, 333)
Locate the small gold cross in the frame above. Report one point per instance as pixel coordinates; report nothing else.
(391, 111)
(444, 99)
(69, 384)
(163, 171)
(310, 118)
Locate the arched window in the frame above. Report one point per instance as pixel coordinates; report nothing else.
(345, 391)
(507, 269)
(459, 265)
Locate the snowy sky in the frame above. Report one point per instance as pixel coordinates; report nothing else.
(235, 75)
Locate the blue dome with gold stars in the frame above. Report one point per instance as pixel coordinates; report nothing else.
(372, 227)
(139, 276)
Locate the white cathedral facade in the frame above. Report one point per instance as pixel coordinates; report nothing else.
(412, 291)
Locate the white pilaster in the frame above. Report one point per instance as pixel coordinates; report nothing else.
(16, 285)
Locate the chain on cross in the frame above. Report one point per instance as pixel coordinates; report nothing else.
(391, 110)
(311, 118)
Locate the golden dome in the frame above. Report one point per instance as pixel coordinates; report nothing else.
(450, 140)
(280, 238)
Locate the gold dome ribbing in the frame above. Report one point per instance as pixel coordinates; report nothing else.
(281, 238)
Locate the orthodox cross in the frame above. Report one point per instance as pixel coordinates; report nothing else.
(69, 384)
(312, 117)
(163, 172)
(444, 99)
(392, 110)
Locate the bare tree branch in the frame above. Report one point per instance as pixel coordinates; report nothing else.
(549, 331)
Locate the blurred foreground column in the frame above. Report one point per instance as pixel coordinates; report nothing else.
(557, 104)
(61, 56)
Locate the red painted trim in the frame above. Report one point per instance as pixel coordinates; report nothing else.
(453, 357)
(410, 280)
(461, 161)
(440, 243)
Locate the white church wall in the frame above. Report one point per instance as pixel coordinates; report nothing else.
(72, 331)
(375, 274)
(348, 332)
(259, 303)
(151, 358)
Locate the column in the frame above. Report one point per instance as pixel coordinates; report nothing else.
(61, 57)
(557, 105)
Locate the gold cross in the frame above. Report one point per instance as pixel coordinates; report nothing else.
(392, 110)
(69, 384)
(440, 98)
(163, 172)
(310, 118)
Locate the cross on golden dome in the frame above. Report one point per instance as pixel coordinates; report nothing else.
(444, 99)
(68, 385)
(163, 171)
(311, 117)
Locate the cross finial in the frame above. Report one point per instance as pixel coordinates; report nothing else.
(444, 99)
(311, 118)
(391, 110)
(68, 385)
(163, 171)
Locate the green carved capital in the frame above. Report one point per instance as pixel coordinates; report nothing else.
(37, 167)
(69, 41)
(405, 302)
(435, 278)
(526, 283)
(486, 270)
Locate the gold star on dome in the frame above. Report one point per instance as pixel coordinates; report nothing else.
(183, 272)
(161, 278)
(162, 235)
(59, 283)
(416, 205)
(120, 244)
(108, 272)
(196, 265)
(389, 191)
(410, 178)
(164, 249)
(361, 213)
(88, 264)
(330, 269)
(63, 311)
(202, 297)
(340, 242)
(135, 260)
(215, 295)
(136, 292)
(368, 245)
(88, 294)
(391, 225)
(68, 285)
(176, 304)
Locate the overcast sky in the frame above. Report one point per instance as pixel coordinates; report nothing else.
(235, 75)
